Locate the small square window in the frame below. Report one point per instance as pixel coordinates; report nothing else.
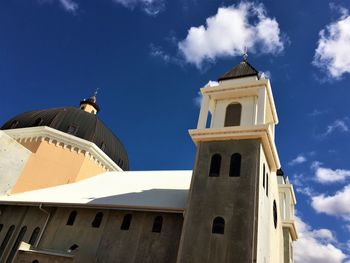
(73, 129)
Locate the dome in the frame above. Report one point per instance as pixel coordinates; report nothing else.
(76, 122)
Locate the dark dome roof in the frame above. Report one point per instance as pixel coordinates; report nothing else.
(77, 122)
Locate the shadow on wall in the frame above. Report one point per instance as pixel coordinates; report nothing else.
(159, 198)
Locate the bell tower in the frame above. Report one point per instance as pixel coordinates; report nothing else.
(231, 214)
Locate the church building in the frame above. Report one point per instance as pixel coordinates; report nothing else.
(67, 194)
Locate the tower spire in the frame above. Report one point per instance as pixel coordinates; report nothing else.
(245, 54)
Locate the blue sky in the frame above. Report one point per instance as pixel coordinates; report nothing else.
(150, 57)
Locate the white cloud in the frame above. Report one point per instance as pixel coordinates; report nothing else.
(68, 5)
(298, 160)
(337, 125)
(229, 31)
(316, 245)
(336, 205)
(332, 53)
(328, 175)
(151, 7)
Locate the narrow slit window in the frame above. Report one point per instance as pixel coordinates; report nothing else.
(6, 239)
(157, 224)
(16, 244)
(263, 176)
(97, 220)
(215, 165)
(233, 115)
(34, 236)
(218, 225)
(126, 222)
(235, 165)
(1, 226)
(267, 184)
(71, 218)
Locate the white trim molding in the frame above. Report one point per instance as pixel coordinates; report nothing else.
(65, 140)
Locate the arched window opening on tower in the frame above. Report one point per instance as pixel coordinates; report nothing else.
(126, 222)
(235, 165)
(263, 174)
(6, 239)
(16, 244)
(97, 220)
(218, 225)
(34, 236)
(207, 125)
(39, 121)
(215, 165)
(157, 224)
(233, 115)
(71, 218)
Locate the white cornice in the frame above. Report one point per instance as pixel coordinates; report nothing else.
(240, 133)
(292, 228)
(69, 141)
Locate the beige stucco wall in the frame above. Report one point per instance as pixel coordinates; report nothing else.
(52, 165)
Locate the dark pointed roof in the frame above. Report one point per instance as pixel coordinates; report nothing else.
(243, 69)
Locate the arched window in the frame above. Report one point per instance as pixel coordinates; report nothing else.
(157, 224)
(233, 115)
(218, 225)
(16, 244)
(126, 222)
(34, 236)
(215, 165)
(38, 121)
(263, 176)
(71, 218)
(235, 165)
(6, 239)
(97, 220)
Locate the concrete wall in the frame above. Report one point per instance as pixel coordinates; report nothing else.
(233, 198)
(107, 243)
(52, 165)
(13, 158)
(248, 115)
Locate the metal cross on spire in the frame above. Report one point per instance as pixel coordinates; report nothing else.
(96, 91)
(245, 53)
